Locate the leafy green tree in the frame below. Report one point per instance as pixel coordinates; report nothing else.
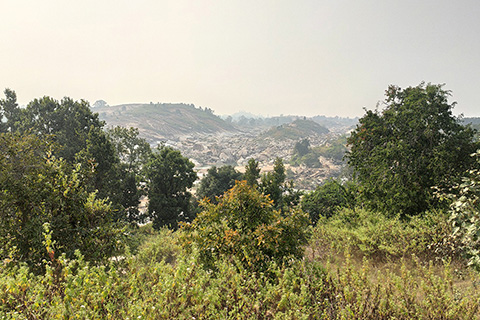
(252, 172)
(245, 225)
(133, 153)
(38, 188)
(132, 150)
(79, 136)
(71, 122)
(217, 181)
(327, 199)
(169, 175)
(271, 183)
(9, 111)
(100, 153)
(415, 143)
(303, 154)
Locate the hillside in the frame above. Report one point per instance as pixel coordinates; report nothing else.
(295, 130)
(164, 121)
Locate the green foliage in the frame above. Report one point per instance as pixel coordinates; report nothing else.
(161, 247)
(335, 149)
(71, 123)
(169, 175)
(79, 137)
(328, 198)
(298, 129)
(302, 147)
(304, 155)
(133, 153)
(271, 183)
(38, 188)
(134, 289)
(415, 143)
(217, 181)
(9, 111)
(252, 172)
(282, 192)
(132, 150)
(465, 214)
(371, 234)
(245, 225)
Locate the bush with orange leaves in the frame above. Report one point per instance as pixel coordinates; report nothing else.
(245, 228)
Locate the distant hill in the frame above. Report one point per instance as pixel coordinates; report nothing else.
(163, 120)
(335, 122)
(295, 130)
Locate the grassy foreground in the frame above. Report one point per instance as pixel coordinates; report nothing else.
(358, 265)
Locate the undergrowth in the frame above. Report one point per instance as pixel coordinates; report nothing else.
(361, 280)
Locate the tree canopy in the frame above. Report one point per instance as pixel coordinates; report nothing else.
(39, 188)
(217, 181)
(169, 175)
(398, 154)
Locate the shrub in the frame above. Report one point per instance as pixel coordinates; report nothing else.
(465, 214)
(372, 234)
(327, 199)
(245, 225)
(160, 247)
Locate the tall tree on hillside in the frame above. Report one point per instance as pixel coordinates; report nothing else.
(217, 181)
(252, 172)
(415, 143)
(9, 111)
(169, 175)
(133, 153)
(79, 137)
(69, 121)
(272, 183)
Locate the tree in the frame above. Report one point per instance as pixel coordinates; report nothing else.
(169, 175)
(9, 111)
(132, 150)
(327, 199)
(245, 225)
(217, 181)
(71, 122)
(100, 152)
(39, 188)
(252, 172)
(133, 153)
(415, 143)
(272, 182)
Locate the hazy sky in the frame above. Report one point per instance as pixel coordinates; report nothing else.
(266, 57)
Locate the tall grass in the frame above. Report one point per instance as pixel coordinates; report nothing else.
(355, 278)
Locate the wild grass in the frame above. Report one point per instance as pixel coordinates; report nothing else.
(343, 276)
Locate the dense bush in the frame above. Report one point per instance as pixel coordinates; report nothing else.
(245, 225)
(327, 199)
(376, 236)
(39, 188)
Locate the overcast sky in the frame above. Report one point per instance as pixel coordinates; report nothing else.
(266, 57)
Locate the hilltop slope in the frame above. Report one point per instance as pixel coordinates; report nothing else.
(164, 121)
(295, 130)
